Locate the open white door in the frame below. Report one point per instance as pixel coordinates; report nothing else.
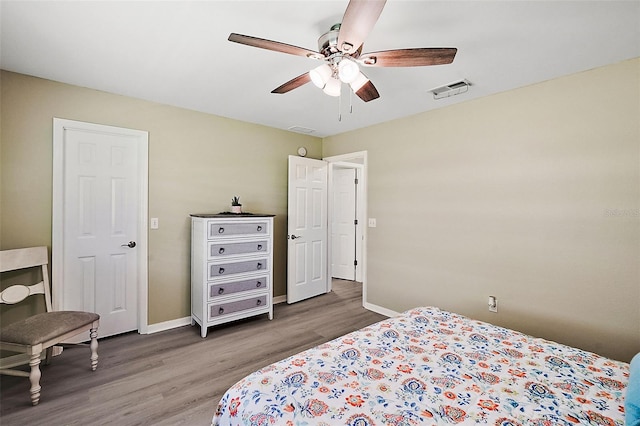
(357, 161)
(307, 268)
(344, 224)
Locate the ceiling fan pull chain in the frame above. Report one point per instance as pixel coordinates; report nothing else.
(340, 104)
(350, 102)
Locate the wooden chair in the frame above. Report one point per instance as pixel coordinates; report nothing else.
(42, 331)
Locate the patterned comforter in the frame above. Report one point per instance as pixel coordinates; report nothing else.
(431, 367)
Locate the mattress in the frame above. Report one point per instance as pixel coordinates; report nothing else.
(428, 366)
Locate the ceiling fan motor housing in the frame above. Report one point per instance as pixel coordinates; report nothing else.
(328, 43)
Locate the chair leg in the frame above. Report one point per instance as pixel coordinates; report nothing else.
(49, 352)
(34, 378)
(93, 333)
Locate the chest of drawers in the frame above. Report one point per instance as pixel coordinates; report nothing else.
(231, 268)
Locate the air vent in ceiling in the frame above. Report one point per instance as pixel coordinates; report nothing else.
(450, 89)
(301, 129)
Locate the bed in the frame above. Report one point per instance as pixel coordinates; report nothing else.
(428, 366)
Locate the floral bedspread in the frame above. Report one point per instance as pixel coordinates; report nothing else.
(431, 367)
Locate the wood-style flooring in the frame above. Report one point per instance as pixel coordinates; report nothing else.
(175, 377)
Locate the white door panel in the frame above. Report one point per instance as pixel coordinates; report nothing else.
(307, 229)
(97, 209)
(343, 228)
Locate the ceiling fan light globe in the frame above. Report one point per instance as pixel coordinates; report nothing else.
(358, 82)
(333, 86)
(320, 75)
(348, 70)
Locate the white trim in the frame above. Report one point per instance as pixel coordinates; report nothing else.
(168, 325)
(143, 235)
(181, 322)
(279, 299)
(380, 310)
(57, 209)
(57, 222)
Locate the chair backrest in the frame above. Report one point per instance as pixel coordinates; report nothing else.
(13, 260)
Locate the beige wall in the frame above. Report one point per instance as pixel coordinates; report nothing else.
(532, 196)
(197, 162)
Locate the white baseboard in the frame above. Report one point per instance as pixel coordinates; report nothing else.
(279, 299)
(181, 322)
(380, 310)
(168, 325)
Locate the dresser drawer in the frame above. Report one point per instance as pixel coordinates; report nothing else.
(231, 287)
(217, 270)
(217, 230)
(219, 309)
(218, 249)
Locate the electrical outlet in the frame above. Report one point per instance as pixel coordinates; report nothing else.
(372, 222)
(493, 304)
(154, 223)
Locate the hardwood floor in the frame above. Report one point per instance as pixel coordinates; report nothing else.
(176, 377)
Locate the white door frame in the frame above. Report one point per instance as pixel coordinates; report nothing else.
(355, 160)
(57, 240)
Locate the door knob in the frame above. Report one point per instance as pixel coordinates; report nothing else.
(131, 244)
(293, 237)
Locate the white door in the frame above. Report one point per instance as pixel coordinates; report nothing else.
(98, 206)
(307, 268)
(343, 224)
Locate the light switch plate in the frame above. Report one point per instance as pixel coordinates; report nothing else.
(372, 222)
(154, 223)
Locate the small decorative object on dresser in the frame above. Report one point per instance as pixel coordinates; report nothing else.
(231, 267)
(236, 207)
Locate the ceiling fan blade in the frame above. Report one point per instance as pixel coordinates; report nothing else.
(294, 83)
(357, 23)
(274, 45)
(368, 92)
(409, 57)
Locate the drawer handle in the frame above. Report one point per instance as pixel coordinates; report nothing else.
(259, 228)
(220, 230)
(259, 247)
(221, 250)
(259, 266)
(258, 283)
(221, 310)
(221, 290)
(221, 271)
(258, 302)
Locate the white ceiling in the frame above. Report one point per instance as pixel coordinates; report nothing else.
(177, 53)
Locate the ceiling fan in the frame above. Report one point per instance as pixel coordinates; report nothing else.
(341, 51)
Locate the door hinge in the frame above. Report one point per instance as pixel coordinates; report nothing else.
(355, 222)
(356, 181)
(355, 263)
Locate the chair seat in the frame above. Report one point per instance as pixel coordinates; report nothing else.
(40, 332)
(45, 326)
